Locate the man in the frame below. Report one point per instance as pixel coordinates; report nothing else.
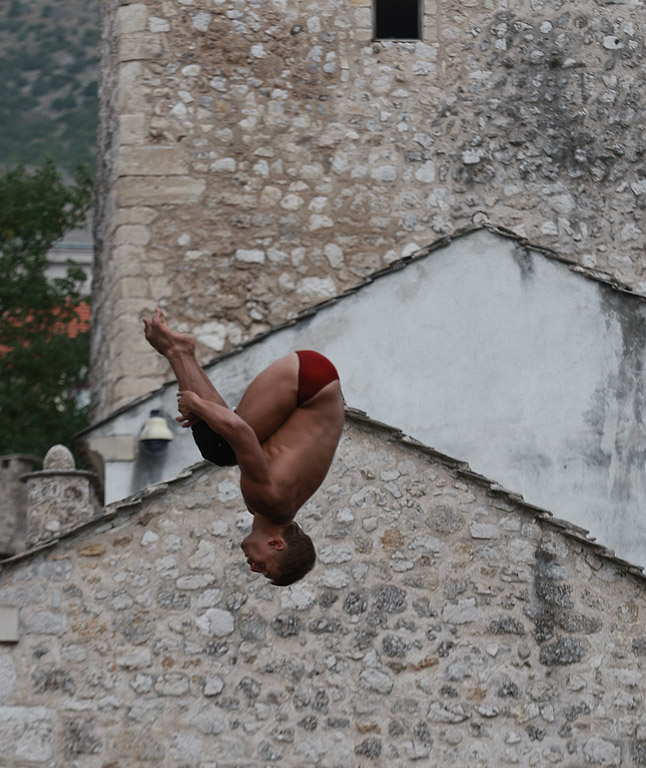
(282, 436)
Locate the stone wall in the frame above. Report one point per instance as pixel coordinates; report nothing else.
(13, 502)
(261, 156)
(446, 623)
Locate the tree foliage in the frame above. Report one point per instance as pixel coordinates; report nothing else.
(43, 357)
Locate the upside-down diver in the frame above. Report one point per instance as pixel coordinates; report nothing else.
(282, 436)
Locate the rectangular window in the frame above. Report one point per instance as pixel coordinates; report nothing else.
(397, 19)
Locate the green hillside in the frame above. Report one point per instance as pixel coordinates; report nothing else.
(48, 71)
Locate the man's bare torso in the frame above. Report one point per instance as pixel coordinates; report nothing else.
(299, 454)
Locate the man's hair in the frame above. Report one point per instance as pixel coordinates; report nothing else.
(297, 558)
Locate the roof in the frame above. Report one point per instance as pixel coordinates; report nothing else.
(79, 324)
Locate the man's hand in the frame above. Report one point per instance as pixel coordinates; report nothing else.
(188, 404)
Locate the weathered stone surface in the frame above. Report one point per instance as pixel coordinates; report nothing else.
(7, 676)
(27, 734)
(216, 622)
(58, 497)
(58, 457)
(13, 502)
(159, 190)
(566, 650)
(463, 613)
(602, 752)
(146, 640)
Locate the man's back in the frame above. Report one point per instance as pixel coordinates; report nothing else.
(299, 453)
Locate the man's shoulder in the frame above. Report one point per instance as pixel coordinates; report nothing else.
(268, 500)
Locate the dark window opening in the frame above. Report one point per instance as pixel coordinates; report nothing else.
(398, 19)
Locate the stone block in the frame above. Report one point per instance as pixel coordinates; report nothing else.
(159, 288)
(363, 16)
(484, 531)
(141, 215)
(141, 46)
(113, 447)
(132, 18)
(130, 87)
(127, 258)
(376, 680)
(123, 307)
(27, 734)
(46, 623)
(134, 287)
(151, 161)
(316, 288)
(216, 622)
(252, 256)
(224, 165)
(464, 612)
(136, 658)
(8, 625)
(136, 234)
(157, 24)
(127, 389)
(602, 752)
(159, 190)
(132, 129)
(363, 35)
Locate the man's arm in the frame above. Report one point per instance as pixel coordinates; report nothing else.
(251, 459)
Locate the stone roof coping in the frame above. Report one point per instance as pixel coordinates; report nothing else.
(58, 473)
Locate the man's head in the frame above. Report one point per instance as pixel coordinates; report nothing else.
(283, 557)
(297, 558)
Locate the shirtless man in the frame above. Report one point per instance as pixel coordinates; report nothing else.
(282, 436)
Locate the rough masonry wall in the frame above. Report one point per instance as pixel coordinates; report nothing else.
(444, 625)
(267, 154)
(13, 502)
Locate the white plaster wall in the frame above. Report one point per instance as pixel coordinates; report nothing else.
(492, 354)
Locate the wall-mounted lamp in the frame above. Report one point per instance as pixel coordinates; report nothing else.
(155, 435)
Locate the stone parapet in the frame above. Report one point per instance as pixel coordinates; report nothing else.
(59, 497)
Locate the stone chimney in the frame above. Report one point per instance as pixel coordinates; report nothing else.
(13, 502)
(59, 497)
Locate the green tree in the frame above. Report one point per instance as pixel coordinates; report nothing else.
(43, 362)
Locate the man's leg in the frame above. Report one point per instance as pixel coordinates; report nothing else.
(179, 350)
(267, 402)
(271, 397)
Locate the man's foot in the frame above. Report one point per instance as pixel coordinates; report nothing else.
(163, 339)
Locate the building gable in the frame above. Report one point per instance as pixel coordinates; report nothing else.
(441, 611)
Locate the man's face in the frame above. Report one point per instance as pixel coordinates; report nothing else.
(261, 557)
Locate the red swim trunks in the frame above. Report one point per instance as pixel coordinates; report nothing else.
(315, 372)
